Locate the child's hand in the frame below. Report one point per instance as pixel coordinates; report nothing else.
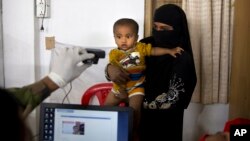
(178, 50)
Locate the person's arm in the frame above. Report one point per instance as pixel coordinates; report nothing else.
(32, 95)
(65, 68)
(115, 73)
(52, 86)
(157, 51)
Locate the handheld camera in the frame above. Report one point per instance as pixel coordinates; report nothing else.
(99, 53)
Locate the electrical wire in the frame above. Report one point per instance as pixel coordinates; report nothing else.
(66, 94)
(44, 12)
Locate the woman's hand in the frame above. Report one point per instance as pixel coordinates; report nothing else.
(175, 51)
(117, 75)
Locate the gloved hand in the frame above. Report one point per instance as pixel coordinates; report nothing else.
(67, 64)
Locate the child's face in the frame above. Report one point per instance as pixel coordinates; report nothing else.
(125, 37)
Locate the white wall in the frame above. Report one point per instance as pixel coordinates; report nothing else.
(18, 42)
(87, 23)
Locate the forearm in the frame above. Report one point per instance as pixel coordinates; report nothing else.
(157, 51)
(116, 74)
(50, 84)
(107, 72)
(32, 95)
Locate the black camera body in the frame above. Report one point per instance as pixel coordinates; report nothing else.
(99, 53)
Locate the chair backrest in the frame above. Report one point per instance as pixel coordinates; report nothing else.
(100, 90)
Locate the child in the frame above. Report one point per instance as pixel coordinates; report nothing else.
(130, 55)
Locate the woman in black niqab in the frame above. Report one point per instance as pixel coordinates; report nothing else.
(170, 82)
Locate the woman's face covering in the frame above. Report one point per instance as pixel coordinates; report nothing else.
(166, 35)
(168, 26)
(161, 26)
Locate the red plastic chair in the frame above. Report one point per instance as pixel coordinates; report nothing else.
(100, 90)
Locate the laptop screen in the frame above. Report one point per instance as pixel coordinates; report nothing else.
(71, 122)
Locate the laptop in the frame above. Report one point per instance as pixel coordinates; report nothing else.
(72, 122)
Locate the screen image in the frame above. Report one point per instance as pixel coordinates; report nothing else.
(73, 127)
(67, 122)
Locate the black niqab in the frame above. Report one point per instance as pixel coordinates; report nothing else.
(161, 70)
(174, 16)
(169, 81)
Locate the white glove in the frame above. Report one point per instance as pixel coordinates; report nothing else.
(67, 64)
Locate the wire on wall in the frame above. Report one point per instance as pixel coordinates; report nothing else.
(44, 12)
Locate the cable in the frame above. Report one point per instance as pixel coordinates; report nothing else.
(66, 94)
(44, 12)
